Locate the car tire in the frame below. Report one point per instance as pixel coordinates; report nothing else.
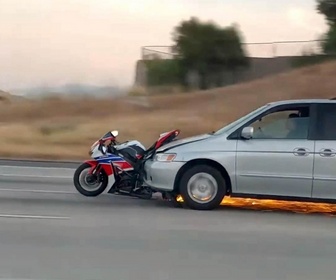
(202, 187)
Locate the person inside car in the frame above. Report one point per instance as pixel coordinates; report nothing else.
(296, 131)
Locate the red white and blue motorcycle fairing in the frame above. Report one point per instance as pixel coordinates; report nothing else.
(117, 167)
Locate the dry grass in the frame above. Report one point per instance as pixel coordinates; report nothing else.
(64, 129)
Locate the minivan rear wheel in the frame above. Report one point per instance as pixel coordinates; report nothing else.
(202, 187)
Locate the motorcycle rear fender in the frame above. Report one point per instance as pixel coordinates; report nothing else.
(165, 136)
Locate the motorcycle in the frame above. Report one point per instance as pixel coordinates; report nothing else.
(118, 168)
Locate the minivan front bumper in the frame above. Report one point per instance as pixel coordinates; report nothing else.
(161, 175)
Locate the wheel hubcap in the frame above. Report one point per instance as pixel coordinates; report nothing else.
(202, 187)
(91, 179)
(89, 182)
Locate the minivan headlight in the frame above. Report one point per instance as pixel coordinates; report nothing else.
(164, 157)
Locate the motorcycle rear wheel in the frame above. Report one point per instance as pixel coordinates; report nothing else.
(86, 188)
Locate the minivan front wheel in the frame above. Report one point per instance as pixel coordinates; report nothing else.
(202, 187)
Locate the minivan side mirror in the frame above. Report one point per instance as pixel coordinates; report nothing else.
(247, 133)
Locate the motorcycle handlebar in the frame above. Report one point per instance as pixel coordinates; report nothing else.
(109, 147)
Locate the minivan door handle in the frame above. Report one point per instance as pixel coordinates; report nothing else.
(301, 152)
(327, 153)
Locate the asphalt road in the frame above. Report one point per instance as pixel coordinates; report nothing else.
(48, 231)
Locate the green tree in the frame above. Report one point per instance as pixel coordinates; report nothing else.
(329, 42)
(207, 48)
(328, 9)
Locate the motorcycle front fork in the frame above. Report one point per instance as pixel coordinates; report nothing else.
(93, 175)
(96, 170)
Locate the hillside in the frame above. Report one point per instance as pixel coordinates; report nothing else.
(57, 128)
(4, 96)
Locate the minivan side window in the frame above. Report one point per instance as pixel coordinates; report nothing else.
(284, 124)
(326, 122)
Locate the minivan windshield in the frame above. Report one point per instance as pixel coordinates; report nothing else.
(240, 120)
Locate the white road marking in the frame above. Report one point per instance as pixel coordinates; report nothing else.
(20, 279)
(36, 172)
(33, 217)
(36, 191)
(36, 168)
(34, 176)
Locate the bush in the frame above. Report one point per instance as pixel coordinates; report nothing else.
(312, 59)
(163, 72)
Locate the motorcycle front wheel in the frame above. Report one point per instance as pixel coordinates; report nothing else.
(88, 185)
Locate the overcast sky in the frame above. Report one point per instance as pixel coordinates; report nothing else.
(51, 42)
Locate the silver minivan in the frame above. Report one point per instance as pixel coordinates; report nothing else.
(283, 150)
